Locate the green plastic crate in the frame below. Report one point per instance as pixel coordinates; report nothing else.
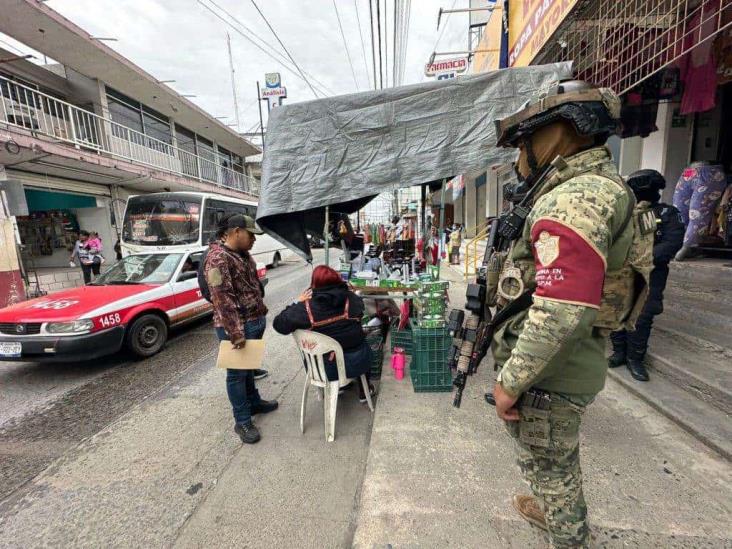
(375, 341)
(428, 369)
(401, 338)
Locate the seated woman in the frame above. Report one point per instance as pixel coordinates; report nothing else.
(330, 308)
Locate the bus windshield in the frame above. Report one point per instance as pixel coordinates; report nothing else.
(162, 221)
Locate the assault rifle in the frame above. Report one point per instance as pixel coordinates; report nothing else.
(472, 339)
(470, 343)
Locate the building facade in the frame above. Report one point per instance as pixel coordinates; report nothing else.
(81, 134)
(669, 60)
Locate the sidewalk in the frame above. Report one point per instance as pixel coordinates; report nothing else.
(418, 473)
(437, 476)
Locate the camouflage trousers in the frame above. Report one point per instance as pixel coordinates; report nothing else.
(554, 473)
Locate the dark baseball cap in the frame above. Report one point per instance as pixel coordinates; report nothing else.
(238, 221)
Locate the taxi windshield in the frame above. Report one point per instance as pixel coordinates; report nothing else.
(141, 269)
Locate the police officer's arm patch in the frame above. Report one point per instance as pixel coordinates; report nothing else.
(647, 222)
(214, 277)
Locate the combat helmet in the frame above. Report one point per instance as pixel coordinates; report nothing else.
(592, 111)
(646, 180)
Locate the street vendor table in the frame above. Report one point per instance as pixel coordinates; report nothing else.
(375, 292)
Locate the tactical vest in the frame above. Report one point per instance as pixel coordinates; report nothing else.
(629, 258)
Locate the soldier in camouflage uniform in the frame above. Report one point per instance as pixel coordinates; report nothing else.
(579, 252)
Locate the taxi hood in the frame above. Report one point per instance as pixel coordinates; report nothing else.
(69, 304)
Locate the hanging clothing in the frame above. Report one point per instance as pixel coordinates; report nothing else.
(724, 47)
(699, 67)
(696, 196)
(640, 108)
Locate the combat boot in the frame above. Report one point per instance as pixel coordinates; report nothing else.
(529, 508)
(616, 359)
(637, 369)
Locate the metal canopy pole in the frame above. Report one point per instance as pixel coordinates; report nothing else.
(326, 235)
(424, 207)
(442, 225)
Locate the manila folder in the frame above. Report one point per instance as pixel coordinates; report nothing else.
(248, 358)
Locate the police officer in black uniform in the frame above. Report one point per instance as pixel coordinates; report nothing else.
(630, 347)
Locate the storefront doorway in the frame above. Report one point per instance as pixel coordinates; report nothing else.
(49, 231)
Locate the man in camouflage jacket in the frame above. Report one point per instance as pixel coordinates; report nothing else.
(576, 253)
(239, 314)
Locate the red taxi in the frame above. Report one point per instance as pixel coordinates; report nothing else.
(133, 304)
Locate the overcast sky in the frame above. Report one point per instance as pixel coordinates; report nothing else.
(181, 40)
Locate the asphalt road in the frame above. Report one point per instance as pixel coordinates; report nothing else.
(47, 409)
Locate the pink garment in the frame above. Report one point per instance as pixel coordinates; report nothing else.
(94, 244)
(698, 67)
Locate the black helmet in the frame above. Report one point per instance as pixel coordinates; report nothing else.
(646, 180)
(592, 111)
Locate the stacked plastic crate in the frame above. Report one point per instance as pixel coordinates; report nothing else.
(430, 340)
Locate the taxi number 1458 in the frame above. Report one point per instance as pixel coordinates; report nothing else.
(110, 320)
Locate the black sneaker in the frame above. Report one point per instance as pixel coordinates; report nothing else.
(616, 360)
(265, 407)
(260, 374)
(638, 370)
(248, 432)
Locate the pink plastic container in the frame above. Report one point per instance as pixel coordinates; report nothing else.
(397, 362)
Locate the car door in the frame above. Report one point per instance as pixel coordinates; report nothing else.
(189, 303)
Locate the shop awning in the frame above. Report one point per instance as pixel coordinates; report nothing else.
(343, 151)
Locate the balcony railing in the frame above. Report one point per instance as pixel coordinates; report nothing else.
(40, 113)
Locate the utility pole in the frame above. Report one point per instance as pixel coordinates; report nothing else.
(261, 123)
(233, 82)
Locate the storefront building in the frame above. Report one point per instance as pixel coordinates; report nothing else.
(669, 60)
(80, 134)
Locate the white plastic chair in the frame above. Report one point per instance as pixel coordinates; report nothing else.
(313, 347)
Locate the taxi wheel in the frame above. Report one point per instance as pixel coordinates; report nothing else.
(147, 335)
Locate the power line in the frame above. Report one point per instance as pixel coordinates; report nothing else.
(406, 38)
(286, 50)
(395, 45)
(434, 48)
(274, 51)
(402, 16)
(378, 28)
(444, 26)
(345, 45)
(363, 45)
(373, 51)
(322, 88)
(240, 32)
(386, 42)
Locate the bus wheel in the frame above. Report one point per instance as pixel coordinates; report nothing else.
(276, 260)
(147, 335)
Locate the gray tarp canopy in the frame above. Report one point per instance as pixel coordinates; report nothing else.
(342, 151)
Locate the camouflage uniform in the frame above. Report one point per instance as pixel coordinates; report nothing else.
(578, 251)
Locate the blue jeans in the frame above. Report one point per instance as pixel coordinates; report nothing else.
(357, 361)
(240, 383)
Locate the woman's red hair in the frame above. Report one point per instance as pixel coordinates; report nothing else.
(325, 276)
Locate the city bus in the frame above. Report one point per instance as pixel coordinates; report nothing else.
(176, 221)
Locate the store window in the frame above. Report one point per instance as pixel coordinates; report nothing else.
(124, 111)
(156, 125)
(131, 114)
(209, 168)
(186, 141)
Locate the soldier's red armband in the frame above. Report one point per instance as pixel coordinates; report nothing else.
(568, 267)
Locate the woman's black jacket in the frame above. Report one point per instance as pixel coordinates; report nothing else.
(327, 302)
